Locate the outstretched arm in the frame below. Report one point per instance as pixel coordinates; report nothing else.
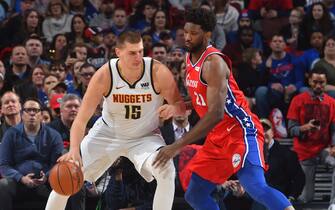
(215, 73)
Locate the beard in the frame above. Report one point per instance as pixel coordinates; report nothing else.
(194, 49)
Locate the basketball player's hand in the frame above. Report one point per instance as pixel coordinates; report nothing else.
(28, 181)
(166, 111)
(164, 155)
(72, 156)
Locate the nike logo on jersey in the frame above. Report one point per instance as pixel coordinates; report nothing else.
(119, 87)
(229, 129)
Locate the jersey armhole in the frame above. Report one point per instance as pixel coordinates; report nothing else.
(151, 77)
(111, 76)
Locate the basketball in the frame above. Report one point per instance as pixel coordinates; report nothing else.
(66, 178)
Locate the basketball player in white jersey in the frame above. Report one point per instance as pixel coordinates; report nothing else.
(133, 88)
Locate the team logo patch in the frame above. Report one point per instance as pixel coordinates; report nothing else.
(145, 85)
(236, 160)
(197, 68)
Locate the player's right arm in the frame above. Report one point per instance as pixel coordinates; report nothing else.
(98, 87)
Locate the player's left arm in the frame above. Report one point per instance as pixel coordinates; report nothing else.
(165, 84)
(216, 73)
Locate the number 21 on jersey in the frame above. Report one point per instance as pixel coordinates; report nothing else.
(199, 99)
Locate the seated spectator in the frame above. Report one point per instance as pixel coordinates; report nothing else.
(27, 153)
(244, 20)
(120, 22)
(104, 18)
(159, 24)
(109, 43)
(311, 121)
(58, 48)
(316, 19)
(159, 52)
(251, 74)
(234, 50)
(284, 172)
(144, 12)
(10, 111)
(86, 72)
(77, 35)
(34, 47)
(327, 62)
(46, 115)
(284, 80)
(19, 72)
(310, 57)
(68, 106)
(62, 73)
(291, 30)
(84, 8)
(57, 19)
(226, 16)
(49, 81)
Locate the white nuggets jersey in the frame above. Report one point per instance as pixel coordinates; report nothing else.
(131, 110)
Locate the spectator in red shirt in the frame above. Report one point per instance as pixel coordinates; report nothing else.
(267, 9)
(311, 121)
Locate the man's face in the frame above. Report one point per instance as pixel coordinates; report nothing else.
(247, 37)
(131, 54)
(31, 116)
(120, 18)
(178, 55)
(109, 39)
(19, 56)
(69, 110)
(59, 71)
(194, 37)
(180, 39)
(37, 76)
(159, 53)
(244, 22)
(149, 11)
(10, 104)
(86, 75)
(277, 44)
(34, 48)
(317, 40)
(318, 83)
(295, 17)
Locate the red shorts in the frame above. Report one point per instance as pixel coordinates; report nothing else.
(224, 153)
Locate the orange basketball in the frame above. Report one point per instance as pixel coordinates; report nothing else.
(66, 178)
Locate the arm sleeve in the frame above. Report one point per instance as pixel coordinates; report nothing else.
(293, 128)
(7, 157)
(57, 149)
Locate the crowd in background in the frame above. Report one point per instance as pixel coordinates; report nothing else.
(283, 54)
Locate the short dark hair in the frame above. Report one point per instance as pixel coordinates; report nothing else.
(33, 99)
(86, 65)
(317, 70)
(206, 19)
(132, 37)
(158, 44)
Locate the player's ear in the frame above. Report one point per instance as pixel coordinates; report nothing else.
(117, 51)
(208, 35)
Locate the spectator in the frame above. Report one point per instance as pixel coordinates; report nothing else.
(57, 19)
(179, 38)
(27, 153)
(226, 16)
(244, 20)
(16, 28)
(269, 9)
(82, 7)
(109, 42)
(20, 70)
(311, 56)
(76, 35)
(58, 48)
(76, 73)
(46, 115)
(34, 47)
(97, 49)
(144, 13)
(49, 81)
(120, 23)
(69, 105)
(10, 111)
(291, 30)
(62, 73)
(316, 19)
(147, 44)
(104, 18)
(311, 121)
(251, 74)
(284, 171)
(159, 52)
(326, 62)
(86, 72)
(159, 24)
(284, 80)
(234, 50)
(37, 76)
(165, 37)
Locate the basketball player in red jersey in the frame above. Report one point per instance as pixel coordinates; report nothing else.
(234, 143)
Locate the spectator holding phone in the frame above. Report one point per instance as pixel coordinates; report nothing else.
(27, 153)
(311, 121)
